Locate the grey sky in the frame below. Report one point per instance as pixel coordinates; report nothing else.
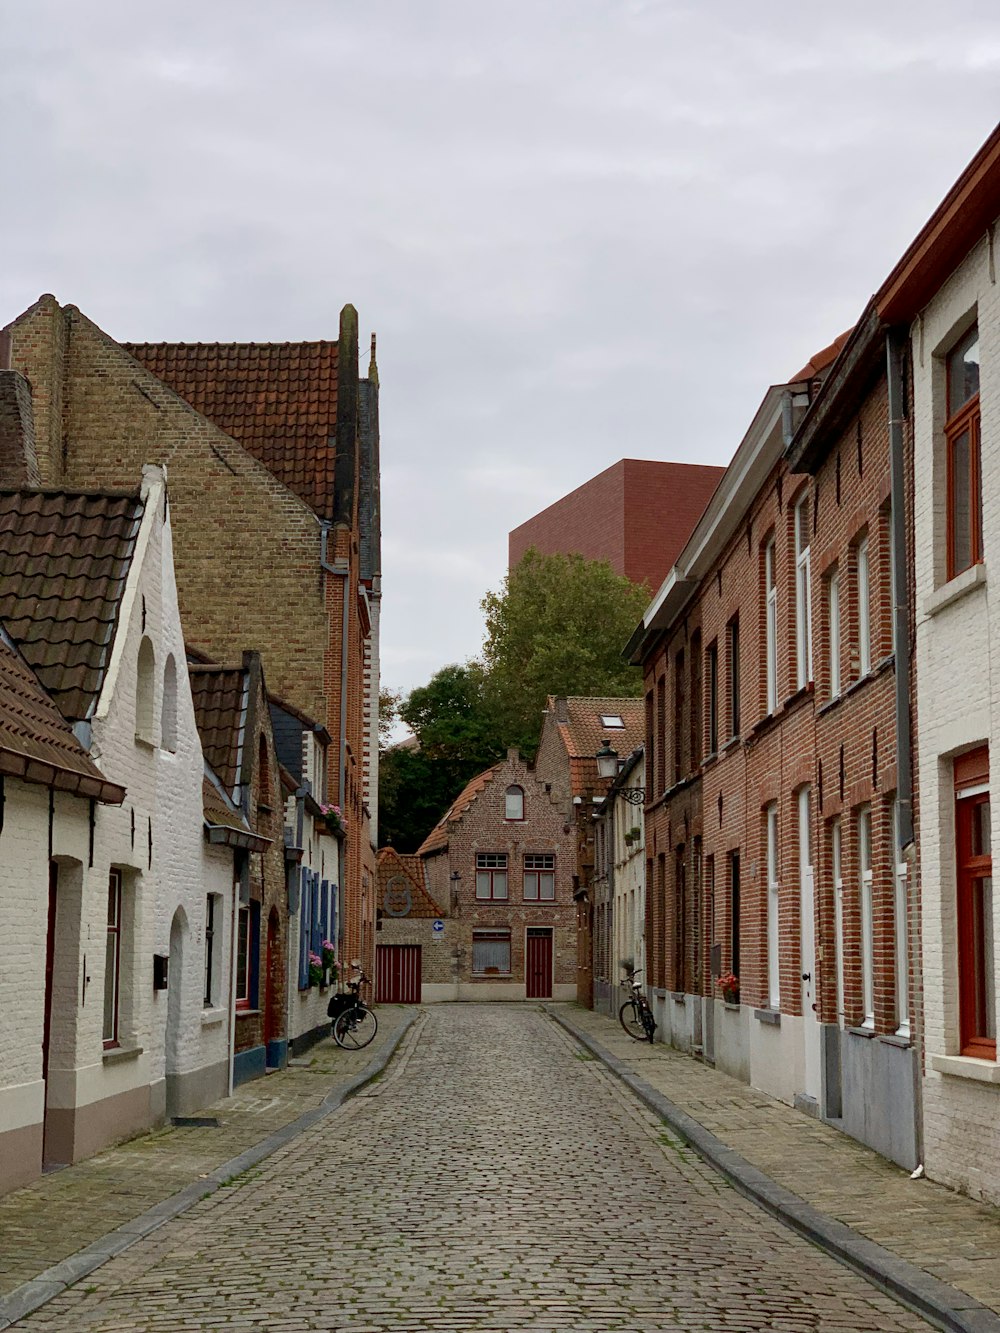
(583, 230)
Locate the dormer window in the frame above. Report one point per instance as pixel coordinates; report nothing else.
(514, 803)
(613, 720)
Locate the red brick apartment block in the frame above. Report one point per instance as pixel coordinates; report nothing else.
(773, 833)
(636, 514)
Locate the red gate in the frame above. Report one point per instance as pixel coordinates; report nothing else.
(397, 973)
(538, 970)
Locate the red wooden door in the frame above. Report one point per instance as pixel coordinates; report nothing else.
(538, 966)
(397, 973)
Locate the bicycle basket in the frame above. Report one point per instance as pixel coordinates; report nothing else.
(338, 1003)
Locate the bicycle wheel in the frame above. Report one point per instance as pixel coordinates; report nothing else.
(630, 1017)
(355, 1028)
(648, 1022)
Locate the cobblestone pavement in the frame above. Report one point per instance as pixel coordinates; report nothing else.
(945, 1233)
(61, 1213)
(496, 1178)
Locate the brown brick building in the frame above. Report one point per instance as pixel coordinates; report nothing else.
(272, 456)
(776, 815)
(635, 514)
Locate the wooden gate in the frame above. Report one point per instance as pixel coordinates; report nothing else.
(538, 968)
(397, 973)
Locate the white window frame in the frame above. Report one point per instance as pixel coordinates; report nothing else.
(837, 859)
(540, 874)
(111, 1023)
(495, 937)
(803, 596)
(513, 802)
(489, 866)
(773, 905)
(864, 609)
(900, 923)
(833, 607)
(771, 624)
(865, 892)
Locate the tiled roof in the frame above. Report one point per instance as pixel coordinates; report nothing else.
(64, 558)
(219, 694)
(391, 864)
(820, 361)
(583, 734)
(220, 813)
(279, 400)
(37, 743)
(437, 839)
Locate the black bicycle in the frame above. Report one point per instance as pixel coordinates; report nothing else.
(354, 1024)
(635, 1015)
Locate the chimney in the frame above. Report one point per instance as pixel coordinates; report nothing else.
(6, 349)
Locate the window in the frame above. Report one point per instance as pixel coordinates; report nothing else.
(612, 720)
(113, 959)
(965, 495)
(864, 609)
(212, 913)
(145, 667)
(305, 927)
(900, 920)
(168, 712)
(679, 716)
(680, 921)
(771, 628)
(974, 884)
(263, 773)
(695, 715)
(867, 918)
(773, 955)
(734, 677)
(803, 596)
(837, 866)
(712, 674)
(243, 959)
(491, 951)
(650, 739)
(539, 877)
(734, 911)
(491, 876)
(833, 613)
(661, 733)
(514, 803)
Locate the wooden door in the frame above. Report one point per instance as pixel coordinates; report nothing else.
(538, 964)
(397, 973)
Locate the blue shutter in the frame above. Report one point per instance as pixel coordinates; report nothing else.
(316, 937)
(304, 930)
(325, 911)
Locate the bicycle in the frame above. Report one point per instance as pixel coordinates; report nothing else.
(355, 1025)
(635, 1015)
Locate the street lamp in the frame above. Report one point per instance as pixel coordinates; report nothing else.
(607, 767)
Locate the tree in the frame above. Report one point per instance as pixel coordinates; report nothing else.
(557, 626)
(388, 711)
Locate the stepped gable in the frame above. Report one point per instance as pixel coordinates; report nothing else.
(37, 744)
(220, 708)
(64, 560)
(583, 733)
(437, 839)
(278, 400)
(392, 864)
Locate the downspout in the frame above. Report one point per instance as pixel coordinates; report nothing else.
(897, 346)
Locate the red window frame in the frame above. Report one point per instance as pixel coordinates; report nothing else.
(492, 864)
(242, 960)
(964, 419)
(113, 958)
(972, 866)
(537, 864)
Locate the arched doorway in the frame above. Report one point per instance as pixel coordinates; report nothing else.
(273, 991)
(175, 1011)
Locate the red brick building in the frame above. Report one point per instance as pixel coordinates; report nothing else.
(773, 831)
(636, 515)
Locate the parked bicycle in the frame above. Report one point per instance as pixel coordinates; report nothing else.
(354, 1024)
(635, 1015)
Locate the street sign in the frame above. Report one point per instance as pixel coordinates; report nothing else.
(437, 930)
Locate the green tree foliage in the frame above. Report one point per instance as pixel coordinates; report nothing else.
(557, 626)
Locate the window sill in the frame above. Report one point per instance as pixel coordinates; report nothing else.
(247, 1013)
(118, 1055)
(491, 976)
(678, 996)
(896, 1039)
(866, 1033)
(772, 1017)
(967, 1066)
(658, 993)
(955, 589)
(730, 744)
(144, 742)
(730, 1007)
(210, 1017)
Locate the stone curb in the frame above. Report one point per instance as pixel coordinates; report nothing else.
(30, 1296)
(941, 1304)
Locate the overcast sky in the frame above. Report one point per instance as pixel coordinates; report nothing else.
(583, 230)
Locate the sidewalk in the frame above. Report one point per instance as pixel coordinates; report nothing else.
(66, 1223)
(936, 1250)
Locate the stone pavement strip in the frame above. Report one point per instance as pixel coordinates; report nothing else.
(498, 1178)
(65, 1224)
(936, 1249)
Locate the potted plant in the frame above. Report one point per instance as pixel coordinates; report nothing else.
(635, 832)
(729, 984)
(315, 969)
(328, 957)
(333, 818)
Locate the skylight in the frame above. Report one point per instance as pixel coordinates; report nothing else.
(612, 720)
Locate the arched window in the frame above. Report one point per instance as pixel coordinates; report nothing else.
(168, 713)
(144, 690)
(263, 774)
(514, 803)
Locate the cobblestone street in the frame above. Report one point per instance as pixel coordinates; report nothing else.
(496, 1178)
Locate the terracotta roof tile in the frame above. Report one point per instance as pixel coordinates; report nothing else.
(37, 744)
(392, 864)
(220, 702)
(820, 361)
(437, 839)
(64, 559)
(279, 400)
(583, 734)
